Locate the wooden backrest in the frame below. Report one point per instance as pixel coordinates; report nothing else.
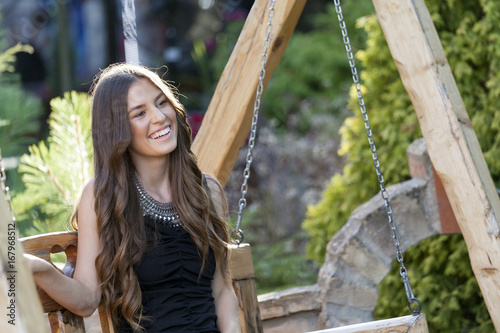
(60, 319)
(242, 274)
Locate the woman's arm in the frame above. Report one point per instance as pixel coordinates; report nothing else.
(82, 293)
(226, 303)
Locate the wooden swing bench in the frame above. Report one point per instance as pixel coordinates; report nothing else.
(242, 274)
(42, 246)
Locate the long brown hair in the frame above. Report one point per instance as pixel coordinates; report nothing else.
(119, 219)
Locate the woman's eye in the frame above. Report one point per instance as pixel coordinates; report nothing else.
(140, 114)
(163, 103)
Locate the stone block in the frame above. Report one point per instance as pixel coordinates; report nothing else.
(345, 294)
(289, 301)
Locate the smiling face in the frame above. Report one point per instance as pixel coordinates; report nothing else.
(153, 122)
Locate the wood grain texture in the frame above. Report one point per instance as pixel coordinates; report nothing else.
(28, 310)
(451, 141)
(241, 263)
(406, 324)
(246, 293)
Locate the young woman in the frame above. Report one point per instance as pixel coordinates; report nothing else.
(152, 234)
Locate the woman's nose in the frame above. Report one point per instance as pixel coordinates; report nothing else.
(158, 116)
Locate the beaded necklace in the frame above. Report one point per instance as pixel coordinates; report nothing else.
(159, 211)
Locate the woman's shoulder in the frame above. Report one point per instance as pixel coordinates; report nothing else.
(85, 211)
(212, 183)
(88, 191)
(216, 193)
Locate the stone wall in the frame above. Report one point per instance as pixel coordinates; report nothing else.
(359, 256)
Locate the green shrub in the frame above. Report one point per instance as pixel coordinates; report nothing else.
(440, 274)
(314, 70)
(470, 40)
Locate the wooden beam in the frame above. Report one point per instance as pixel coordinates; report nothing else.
(241, 264)
(17, 292)
(243, 276)
(451, 141)
(227, 121)
(407, 324)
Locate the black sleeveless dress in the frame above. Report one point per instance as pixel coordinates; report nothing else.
(175, 296)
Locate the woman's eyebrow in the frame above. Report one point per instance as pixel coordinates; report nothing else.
(160, 95)
(136, 107)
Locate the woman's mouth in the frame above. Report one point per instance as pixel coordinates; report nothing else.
(160, 133)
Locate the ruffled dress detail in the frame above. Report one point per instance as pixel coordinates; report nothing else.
(176, 297)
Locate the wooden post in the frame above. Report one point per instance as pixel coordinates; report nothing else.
(450, 138)
(17, 289)
(227, 121)
(243, 276)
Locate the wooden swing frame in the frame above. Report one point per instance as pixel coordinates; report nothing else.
(446, 128)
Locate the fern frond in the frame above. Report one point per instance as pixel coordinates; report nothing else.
(8, 57)
(70, 136)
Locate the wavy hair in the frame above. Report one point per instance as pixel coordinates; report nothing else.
(119, 219)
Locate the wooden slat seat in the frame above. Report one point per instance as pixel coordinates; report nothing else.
(406, 324)
(61, 320)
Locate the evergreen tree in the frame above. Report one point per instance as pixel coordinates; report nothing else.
(19, 110)
(55, 172)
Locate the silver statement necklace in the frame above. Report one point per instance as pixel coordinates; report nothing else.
(163, 212)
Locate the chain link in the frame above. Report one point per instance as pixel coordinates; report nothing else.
(237, 234)
(5, 188)
(385, 195)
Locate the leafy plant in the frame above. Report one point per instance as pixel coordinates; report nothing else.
(314, 70)
(452, 302)
(19, 110)
(19, 118)
(54, 172)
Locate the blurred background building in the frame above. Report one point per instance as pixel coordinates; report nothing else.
(73, 39)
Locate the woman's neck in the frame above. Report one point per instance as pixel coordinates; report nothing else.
(155, 180)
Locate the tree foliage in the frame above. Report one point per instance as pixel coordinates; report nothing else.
(470, 36)
(313, 75)
(55, 171)
(470, 39)
(19, 110)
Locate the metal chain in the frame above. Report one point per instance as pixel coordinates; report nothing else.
(385, 195)
(237, 233)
